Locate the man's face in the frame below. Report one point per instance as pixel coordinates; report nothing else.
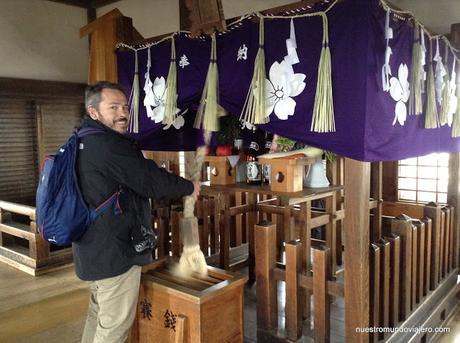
(113, 110)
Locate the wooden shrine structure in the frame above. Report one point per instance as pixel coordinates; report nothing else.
(389, 270)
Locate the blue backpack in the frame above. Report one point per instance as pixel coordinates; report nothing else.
(61, 213)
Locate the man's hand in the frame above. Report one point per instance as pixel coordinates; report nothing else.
(196, 189)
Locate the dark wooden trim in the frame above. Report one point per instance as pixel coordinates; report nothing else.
(77, 3)
(91, 14)
(100, 3)
(85, 3)
(39, 88)
(184, 19)
(390, 180)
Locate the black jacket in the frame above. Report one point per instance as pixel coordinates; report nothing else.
(107, 162)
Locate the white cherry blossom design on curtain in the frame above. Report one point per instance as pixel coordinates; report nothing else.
(149, 99)
(282, 86)
(399, 91)
(156, 105)
(178, 122)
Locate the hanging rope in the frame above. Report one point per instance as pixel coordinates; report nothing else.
(415, 99)
(253, 111)
(207, 115)
(323, 110)
(192, 259)
(431, 112)
(134, 99)
(171, 88)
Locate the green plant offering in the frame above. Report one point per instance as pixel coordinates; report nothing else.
(285, 144)
(229, 130)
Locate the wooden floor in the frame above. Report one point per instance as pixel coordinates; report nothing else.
(52, 308)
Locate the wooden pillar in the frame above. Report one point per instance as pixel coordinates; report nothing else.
(374, 286)
(202, 213)
(402, 226)
(395, 244)
(420, 258)
(305, 237)
(175, 233)
(356, 240)
(293, 290)
(105, 32)
(453, 192)
(427, 260)
(251, 221)
(224, 241)
(376, 194)
(265, 249)
(331, 229)
(322, 273)
(385, 251)
(433, 211)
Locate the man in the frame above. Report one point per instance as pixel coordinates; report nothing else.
(109, 161)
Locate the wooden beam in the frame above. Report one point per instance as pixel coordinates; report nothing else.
(100, 3)
(184, 16)
(77, 3)
(85, 3)
(38, 88)
(356, 232)
(105, 32)
(206, 16)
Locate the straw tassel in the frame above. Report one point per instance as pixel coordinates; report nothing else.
(456, 120)
(254, 111)
(431, 112)
(415, 100)
(445, 104)
(171, 89)
(208, 111)
(134, 99)
(323, 110)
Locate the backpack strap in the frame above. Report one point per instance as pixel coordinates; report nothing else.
(112, 201)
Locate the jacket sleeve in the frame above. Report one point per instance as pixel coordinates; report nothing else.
(126, 165)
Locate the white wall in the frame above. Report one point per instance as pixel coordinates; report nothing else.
(436, 15)
(150, 17)
(155, 17)
(235, 8)
(40, 40)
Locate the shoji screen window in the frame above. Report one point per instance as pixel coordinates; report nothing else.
(423, 179)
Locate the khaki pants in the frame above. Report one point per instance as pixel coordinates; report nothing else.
(112, 308)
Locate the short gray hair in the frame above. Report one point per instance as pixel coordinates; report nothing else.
(93, 92)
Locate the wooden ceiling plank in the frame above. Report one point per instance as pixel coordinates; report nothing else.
(77, 3)
(85, 3)
(100, 3)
